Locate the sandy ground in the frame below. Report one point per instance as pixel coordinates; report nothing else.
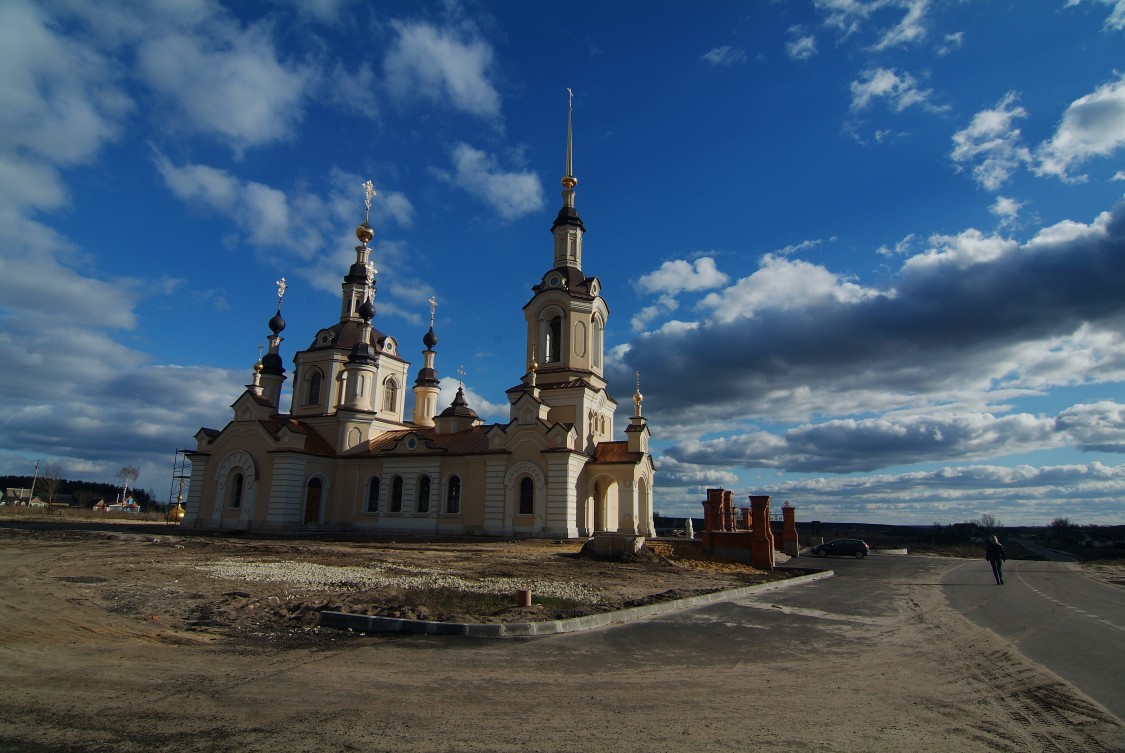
(122, 641)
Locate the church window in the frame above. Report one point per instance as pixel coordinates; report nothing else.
(312, 394)
(423, 495)
(396, 494)
(373, 494)
(390, 395)
(453, 496)
(236, 490)
(553, 351)
(527, 496)
(598, 344)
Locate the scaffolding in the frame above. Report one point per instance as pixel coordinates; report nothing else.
(180, 478)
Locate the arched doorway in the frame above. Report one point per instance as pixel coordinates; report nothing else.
(314, 491)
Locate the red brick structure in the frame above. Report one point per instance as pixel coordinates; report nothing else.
(744, 534)
(789, 543)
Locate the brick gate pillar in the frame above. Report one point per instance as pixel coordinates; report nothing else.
(761, 539)
(789, 543)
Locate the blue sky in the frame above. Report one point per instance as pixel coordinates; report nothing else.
(867, 256)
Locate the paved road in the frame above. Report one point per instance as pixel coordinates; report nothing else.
(1065, 621)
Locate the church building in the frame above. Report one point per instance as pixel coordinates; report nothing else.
(347, 457)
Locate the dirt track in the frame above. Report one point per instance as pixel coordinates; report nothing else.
(124, 642)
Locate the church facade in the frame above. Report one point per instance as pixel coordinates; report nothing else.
(347, 457)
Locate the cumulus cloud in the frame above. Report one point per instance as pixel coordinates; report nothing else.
(1020, 495)
(1096, 427)
(991, 145)
(1092, 126)
(898, 90)
(724, 56)
(441, 66)
(849, 445)
(512, 194)
(228, 83)
(680, 276)
(968, 319)
(1007, 209)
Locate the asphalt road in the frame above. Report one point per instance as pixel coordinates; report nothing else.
(1067, 622)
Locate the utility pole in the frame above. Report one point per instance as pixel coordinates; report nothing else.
(31, 494)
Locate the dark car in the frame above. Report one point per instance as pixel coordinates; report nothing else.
(846, 547)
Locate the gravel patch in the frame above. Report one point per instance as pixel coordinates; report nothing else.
(333, 577)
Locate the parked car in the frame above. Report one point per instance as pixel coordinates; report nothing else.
(846, 547)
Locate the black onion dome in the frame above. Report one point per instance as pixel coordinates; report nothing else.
(272, 364)
(277, 324)
(568, 215)
(366, 310)
(429, 339)
(459, 407)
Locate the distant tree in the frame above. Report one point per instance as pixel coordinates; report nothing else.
(50, 479)
(990, 522)
(1062, 529)
(128, 475)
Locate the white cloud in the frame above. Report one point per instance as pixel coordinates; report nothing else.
(512, 194)
(801, 45)
(912, 27)
(59, 105)
(1007, 209)
(1116, 19)
(900, 91)
(680, 276)
(782, 284)
(443, 67)
(991, 144)
(227, 83)
(1092, 126)
(724, 56)
(952, 42)
(966, 249)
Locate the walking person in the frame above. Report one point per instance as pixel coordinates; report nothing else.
(994, 553)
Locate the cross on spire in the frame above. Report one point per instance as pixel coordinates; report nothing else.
(433, 307)
(281, 287)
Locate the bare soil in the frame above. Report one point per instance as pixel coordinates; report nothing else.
(236, 587)
(128, 638)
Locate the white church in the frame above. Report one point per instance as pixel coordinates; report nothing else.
(346, 457)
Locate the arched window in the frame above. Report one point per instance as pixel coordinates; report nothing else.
(553, 351)
(390, 395)
(313, 492)
(396, 494)
(423, 495)
(236, 490)
(527, 496)
(312, 394)
(453, 496)
(598, 345)
(373, 494)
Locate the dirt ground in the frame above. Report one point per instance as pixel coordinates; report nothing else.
(145, 639)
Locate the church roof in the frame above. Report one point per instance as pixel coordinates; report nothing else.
(314, 443)
(345, 335)
(472, 441)
(615, 452)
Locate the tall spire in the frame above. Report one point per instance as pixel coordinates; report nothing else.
(569, 181)
(568, 227)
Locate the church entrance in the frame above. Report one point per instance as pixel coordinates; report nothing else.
(313, 494)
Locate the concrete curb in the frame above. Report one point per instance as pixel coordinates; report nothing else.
(362, 623)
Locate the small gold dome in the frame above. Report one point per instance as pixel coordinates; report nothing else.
(569, 182)
(364, 233)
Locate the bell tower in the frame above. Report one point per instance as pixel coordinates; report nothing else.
(566, 320)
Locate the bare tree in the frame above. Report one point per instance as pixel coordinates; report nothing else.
(990, 522)
(51, 479)
(1062, 529)
(128, 475)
